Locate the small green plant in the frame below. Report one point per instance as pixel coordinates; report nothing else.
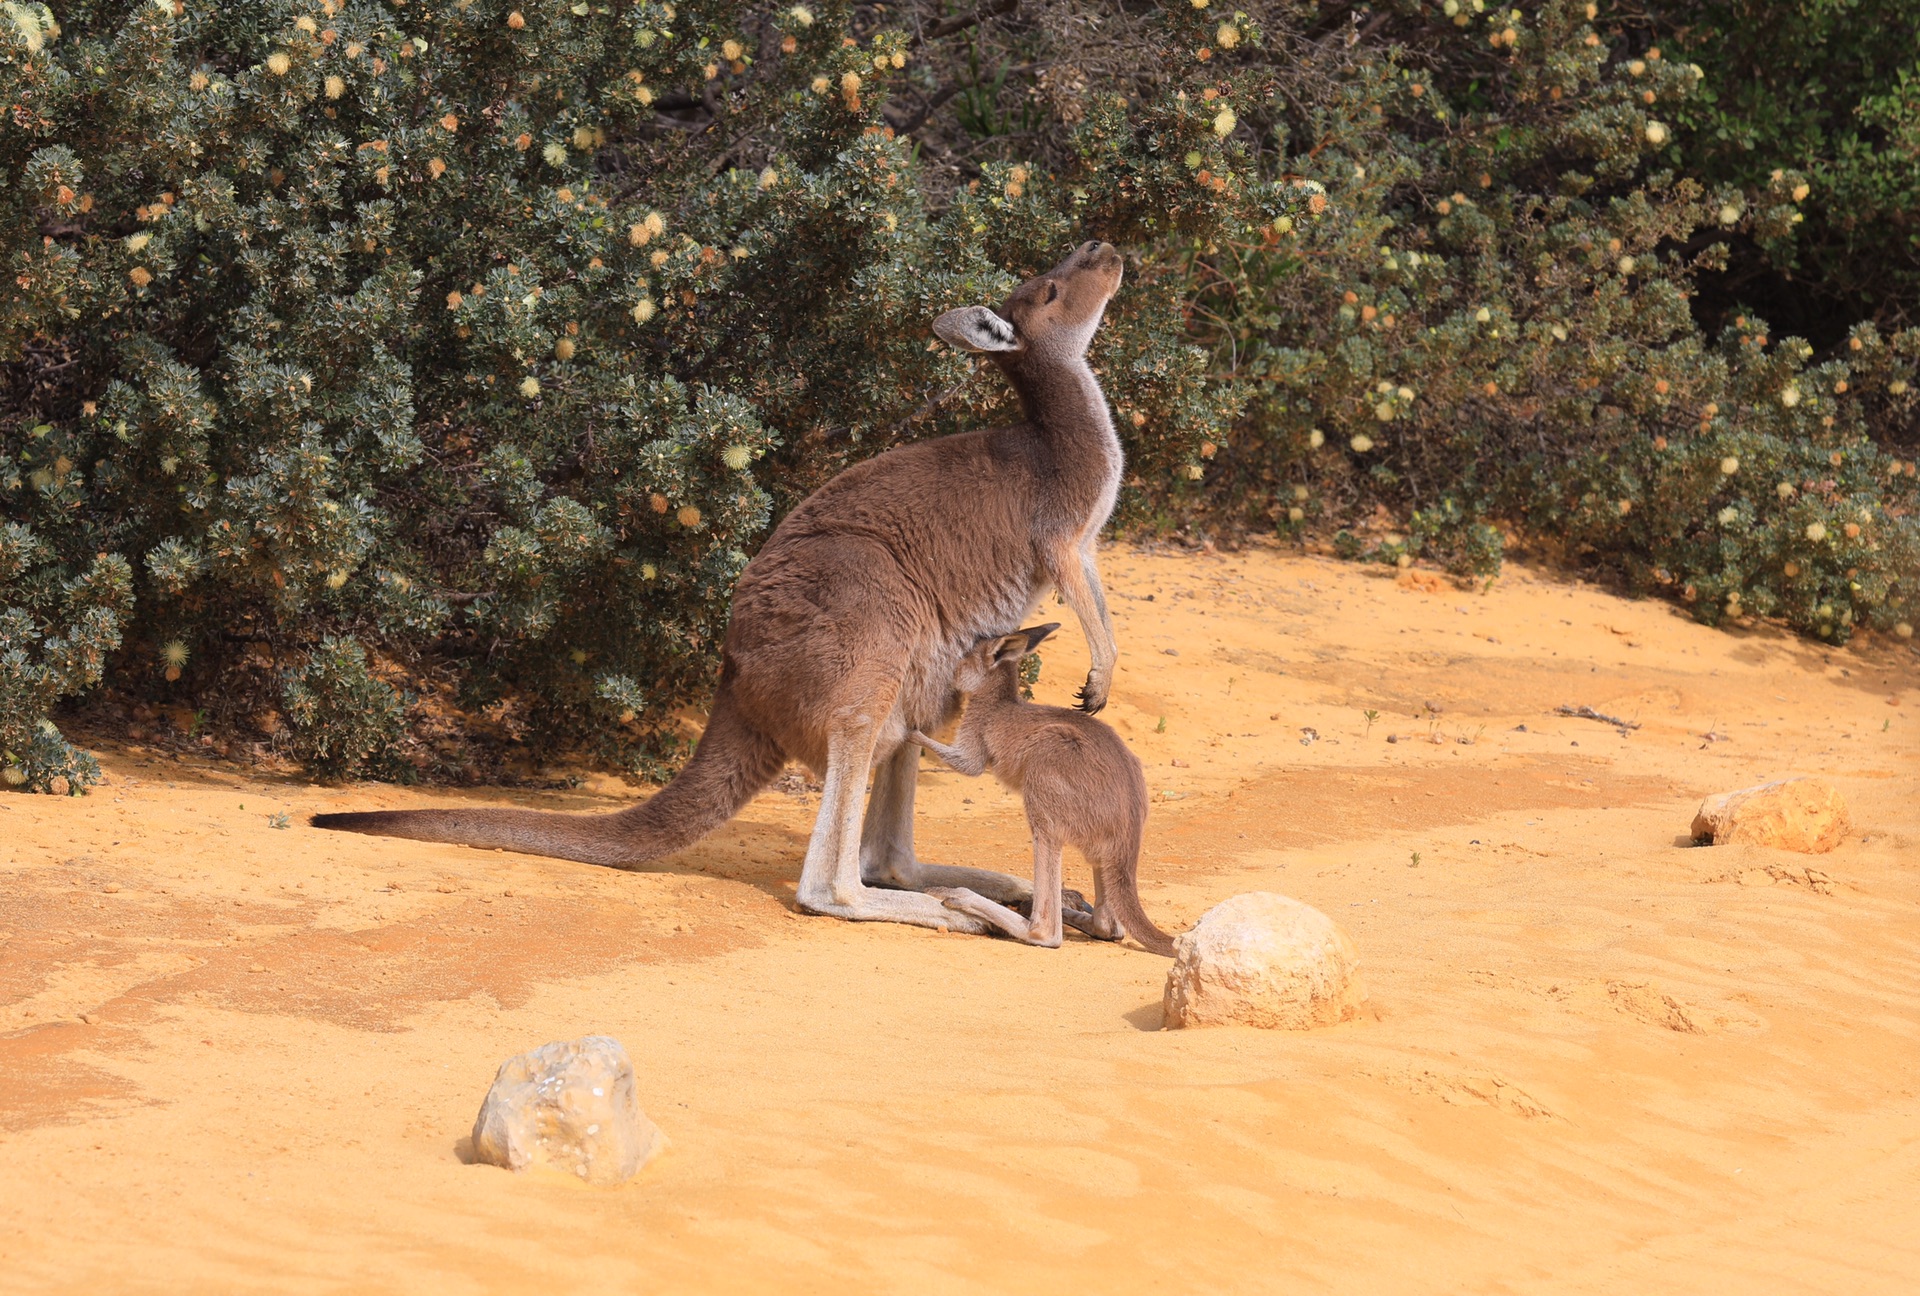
(1371, 716)
(279, 821)
(1162, 726)
(344, 719)
(1414, 862)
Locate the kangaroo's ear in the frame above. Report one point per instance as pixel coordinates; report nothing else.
(975, 328)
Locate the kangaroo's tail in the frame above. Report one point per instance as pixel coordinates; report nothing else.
(1120, 890)
(732, 762)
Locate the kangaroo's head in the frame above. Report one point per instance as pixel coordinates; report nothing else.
(1051, 317)
(998, 657)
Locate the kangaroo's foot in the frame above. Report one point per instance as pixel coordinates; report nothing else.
(1092, 697)
(1098, 925)
(998, 917)
(868, 904)
(913, 875)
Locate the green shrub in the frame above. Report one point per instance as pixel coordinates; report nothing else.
(485, 340)
(345, 721)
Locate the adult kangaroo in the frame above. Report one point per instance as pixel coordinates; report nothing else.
(847, 626)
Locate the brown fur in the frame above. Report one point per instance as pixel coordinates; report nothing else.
(847, 626)
(1081, 787)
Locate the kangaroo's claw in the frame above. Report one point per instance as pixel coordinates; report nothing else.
(1089, 700)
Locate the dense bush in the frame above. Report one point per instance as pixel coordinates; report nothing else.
(387, 376)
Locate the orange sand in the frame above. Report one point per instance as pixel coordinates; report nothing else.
(234, 1057)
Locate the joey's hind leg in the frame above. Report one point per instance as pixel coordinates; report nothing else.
(886, 840)
(1043, 928)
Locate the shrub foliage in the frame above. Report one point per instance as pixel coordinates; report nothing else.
(387, 369)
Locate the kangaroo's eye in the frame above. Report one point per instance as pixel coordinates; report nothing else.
(1053, 290)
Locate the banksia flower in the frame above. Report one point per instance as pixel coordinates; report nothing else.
(1729, 466)
(802, 15)
(555, 154)
(643, 310)
(278, 63)
(529, 387)
(335, 87)
(1656, 132)
(736, 457)
(1226, 36)
(688, 516)
(1361, 443)
(1224, 121)
(563, 350)
(141, 276)
(1816, 531)
(516, 20)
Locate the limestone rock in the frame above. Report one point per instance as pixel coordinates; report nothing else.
(1796, 814)
(569, 1107)
(1263, 960)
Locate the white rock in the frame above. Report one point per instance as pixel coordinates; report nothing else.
(569, 1107)
(1797, 814)
(1263, 960)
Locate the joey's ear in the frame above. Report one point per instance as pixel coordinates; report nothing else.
(1021, 642)
(975, 328)
(1035, 634)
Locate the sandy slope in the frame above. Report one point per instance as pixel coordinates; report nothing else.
(235, 1057)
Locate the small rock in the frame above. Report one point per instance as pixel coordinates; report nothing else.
(1796, 814)
(1263, 960)
(570, 1107)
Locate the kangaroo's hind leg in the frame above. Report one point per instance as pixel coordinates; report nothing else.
(886, 841)
(1044, 927)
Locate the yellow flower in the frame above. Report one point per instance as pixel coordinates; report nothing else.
(1784, 490)
(1729, 515)
(769, 178)
(1800, 192)
(1384, 412)
(1816, 531)
(563, 350)
(1226, 36)
(1361, 443)
(1283, 225)
(1790, 395)
(555, 154)
(802, 15)
(688, 516)
(516, 20)
(336, 87)
(1224, 121)
(278, 63)
(850, 84)
(335, 579)
(1656, 132)
(436, 167)
(1729, 214)
(736, 457)
(529, 387)
(141, 276)
(820, 85)
(174, 653)
(1316, 438)
(454, 299)
(1903, 630)
(643, 310)
(306, 24)
(1626, 264)
(136, 242)
(1729, 466)
(731, 50)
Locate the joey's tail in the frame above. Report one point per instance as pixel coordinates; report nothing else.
(732, 762)
(1120, 890)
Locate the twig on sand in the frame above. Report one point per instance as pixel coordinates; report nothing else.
(1588, 713)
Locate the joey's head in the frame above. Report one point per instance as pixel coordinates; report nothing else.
(1051, 317)
(998, 657)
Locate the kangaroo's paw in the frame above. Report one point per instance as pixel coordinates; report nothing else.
(1092, 697)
